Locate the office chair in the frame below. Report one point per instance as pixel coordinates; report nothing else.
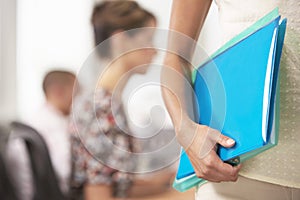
(7, 189)
(45, 184)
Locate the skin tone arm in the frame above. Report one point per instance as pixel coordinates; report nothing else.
(96, 192)
(192, 136)
(99, 192)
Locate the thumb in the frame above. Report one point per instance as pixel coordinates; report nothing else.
(226, 141)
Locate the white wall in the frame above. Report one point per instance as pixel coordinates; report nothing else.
(51, 34)
(7, 60)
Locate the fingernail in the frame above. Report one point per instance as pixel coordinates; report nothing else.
(230, 141)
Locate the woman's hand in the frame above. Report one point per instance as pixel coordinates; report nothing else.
(202, 152)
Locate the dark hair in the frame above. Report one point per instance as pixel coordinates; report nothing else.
(111, 16)
(58, 77)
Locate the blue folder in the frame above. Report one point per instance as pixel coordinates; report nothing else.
(237, 94)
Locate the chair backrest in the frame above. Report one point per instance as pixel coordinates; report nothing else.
(46, 185)
(7, 189)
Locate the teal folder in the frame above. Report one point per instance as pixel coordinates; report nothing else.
(236, 93)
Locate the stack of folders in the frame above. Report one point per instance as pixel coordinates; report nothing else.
(237, 93)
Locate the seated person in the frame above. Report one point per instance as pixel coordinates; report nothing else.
(99, 123)
(51, 121)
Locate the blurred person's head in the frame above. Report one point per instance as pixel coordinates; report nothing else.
(58, 89)
(113, 17)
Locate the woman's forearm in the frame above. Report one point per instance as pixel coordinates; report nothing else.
(98, 192)
(187, 18)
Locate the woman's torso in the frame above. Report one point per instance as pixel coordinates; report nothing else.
(281, 164)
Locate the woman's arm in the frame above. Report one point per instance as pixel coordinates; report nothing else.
(198, 140)
(151, 184)
(97, 192)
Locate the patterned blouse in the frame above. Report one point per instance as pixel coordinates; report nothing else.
(101, 147)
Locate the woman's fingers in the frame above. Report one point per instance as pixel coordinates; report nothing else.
(226, 141)
(203, 156)
(213, 169)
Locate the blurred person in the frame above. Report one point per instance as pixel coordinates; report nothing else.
(100, 112)
(51, 121)
(273, 174)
